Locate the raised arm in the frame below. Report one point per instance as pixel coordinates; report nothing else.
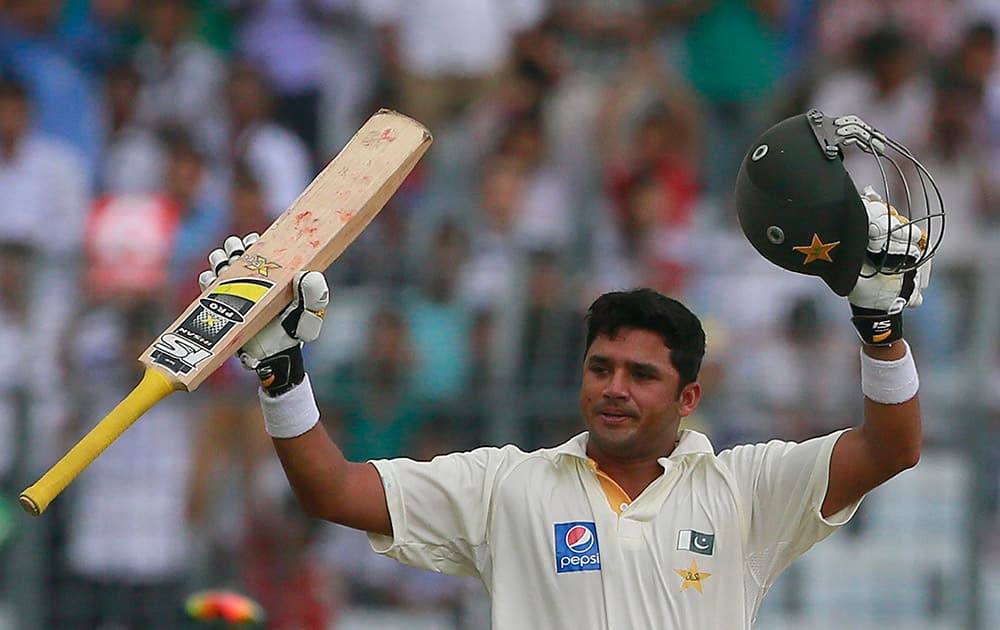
(326, 484)
(888, 441)
(330, 487)
(798, 206)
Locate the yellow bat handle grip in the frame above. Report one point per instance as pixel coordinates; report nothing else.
(153, 388)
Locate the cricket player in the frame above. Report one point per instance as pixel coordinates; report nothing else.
(633, 523)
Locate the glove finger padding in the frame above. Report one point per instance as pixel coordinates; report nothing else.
(892, 240)
(275, 352)
(206, 278)
(880, 294)
(222, 257)
(300, 322)
(303, 318)
(890, 292)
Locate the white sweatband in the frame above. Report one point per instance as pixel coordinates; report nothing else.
(889, 382)
(291, 414)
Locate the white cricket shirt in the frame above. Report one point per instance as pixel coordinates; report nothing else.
(697, 549)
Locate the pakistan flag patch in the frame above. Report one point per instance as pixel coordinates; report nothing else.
(698, 542)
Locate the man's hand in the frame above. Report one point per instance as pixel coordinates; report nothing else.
(880, 295)
(275, 353)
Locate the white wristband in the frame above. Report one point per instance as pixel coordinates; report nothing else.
(889, 382)
(290, 414)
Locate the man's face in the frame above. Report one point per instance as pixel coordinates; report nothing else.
(630, 397)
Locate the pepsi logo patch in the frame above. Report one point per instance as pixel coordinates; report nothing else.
(576, 547)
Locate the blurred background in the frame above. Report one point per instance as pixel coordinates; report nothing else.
(580, 146)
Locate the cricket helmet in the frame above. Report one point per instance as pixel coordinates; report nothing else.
(799, 207)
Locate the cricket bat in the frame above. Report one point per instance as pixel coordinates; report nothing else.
(319, 225)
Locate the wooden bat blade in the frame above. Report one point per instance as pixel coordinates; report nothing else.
(329, 214)
(153, 388)
(319, 225)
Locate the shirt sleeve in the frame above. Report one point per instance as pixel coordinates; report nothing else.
(783, 484)
(440, 509)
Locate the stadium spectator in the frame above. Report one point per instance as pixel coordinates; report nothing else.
(549, 350)
(547, 219)
(128, 543)
(278, 159)
(977, 59)
(133, 155)
(648, 127)
(731, 57)
(182, 78)
(491, 276)
(372, 402)
(188, 184)
(42, 180)
(65, 97)
(440, 326)
(247, 208)
(282, 566)
(933, 24)
(961, 159)
(291, 41)
(45, 191)
(884, 86)
(16, 336)
(596, 42)
(444, 56)
(99, 32)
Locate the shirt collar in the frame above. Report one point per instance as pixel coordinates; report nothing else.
(689, 442)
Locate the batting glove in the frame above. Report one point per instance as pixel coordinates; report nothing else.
(275, 353)
(879, 297)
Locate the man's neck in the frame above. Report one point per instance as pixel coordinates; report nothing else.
(633, 475)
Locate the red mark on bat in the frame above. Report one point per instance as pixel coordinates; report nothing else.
(314, 243)
(366, 178)
(312, 229)
(345, 215)
(296, 262)
(300, 217)
(375, 137)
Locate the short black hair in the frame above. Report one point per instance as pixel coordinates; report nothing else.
(647, 309)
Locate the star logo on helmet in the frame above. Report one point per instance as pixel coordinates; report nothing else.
(816, 250)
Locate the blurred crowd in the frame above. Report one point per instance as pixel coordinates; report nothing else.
(580, 146)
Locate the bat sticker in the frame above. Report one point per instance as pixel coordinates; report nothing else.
(192, 341)
(259, 264)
